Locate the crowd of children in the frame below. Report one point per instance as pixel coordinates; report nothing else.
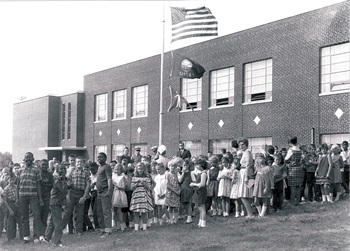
(88, 196)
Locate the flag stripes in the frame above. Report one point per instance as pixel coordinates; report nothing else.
(192, 23)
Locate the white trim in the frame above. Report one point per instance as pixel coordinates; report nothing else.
(61, 148)
(220, 106)
(119, 119)
(257, 102)
(144, 116)
(333, 93)
(101, 121)
(190, 110)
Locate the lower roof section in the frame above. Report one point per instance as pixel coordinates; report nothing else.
(62, 148)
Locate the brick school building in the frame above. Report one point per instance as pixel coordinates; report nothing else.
(285, 78)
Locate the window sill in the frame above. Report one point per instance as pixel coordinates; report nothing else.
(333, 93)
(119, 119)
(220, 106)
(102, 121)
(190, 110)
(257, 102)
(145, 116)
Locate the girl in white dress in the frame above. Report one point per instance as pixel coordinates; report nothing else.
(119, 199)
(159, 192)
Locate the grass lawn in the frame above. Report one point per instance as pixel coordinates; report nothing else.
(311, 226)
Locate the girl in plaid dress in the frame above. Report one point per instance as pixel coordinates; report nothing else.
(295, 170)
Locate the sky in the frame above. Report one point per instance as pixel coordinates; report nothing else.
(47, 47)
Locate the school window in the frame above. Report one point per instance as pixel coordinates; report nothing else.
(63, 125)
(117, 150)
(337, 138)
(335, 68)
(101, 107)
(256, 144)
(69, 120)
(258, 81)
(194, 146)
(140, 101)
(142, 146)
(222, 87)
(100, 149)
(192, 92)
(119, 104)
(215, 145)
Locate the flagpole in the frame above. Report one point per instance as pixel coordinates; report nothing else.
(161, 84)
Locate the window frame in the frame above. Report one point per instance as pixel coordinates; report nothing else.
(135, 103)
(264, 74)
(229, 99)
(326, 69)
(63, 122)
(185, 83)
(115, 103)
(97, 110)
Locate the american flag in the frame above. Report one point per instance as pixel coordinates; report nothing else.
(192, 23)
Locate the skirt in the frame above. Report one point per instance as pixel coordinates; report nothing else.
(234, 192)
(243, 191)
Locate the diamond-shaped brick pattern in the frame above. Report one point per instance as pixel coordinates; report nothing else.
(292, 43)
(221, 123)
(190, 125)
(339, 113)
(257, 120)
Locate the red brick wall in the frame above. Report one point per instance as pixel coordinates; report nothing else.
(293, 44)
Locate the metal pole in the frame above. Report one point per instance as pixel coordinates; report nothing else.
(161, 84)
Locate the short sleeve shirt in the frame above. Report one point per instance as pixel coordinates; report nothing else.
(103, 174)
(10, 193)
(29, 178)
(79, 179)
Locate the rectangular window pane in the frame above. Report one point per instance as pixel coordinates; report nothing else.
(335, 68)
(335, 138)
(100, 149)
(69, 120)
(101, 107)
(192, 92)
(63, 125)
(256, 144)
(119, 104)
(140, 101)
(259, 81)
(222, 87)
(194, 146)
(117, 150)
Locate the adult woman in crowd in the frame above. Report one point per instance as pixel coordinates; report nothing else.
(246, 178)
(293, 160)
